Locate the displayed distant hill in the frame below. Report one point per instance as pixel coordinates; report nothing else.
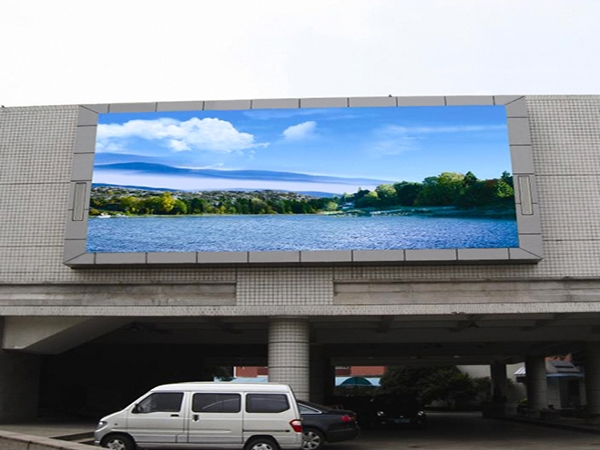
(113, 158)
(148, 168)
(160, 189)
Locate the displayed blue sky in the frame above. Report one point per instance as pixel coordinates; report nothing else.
(353, 147)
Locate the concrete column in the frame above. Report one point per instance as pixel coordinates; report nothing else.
(592, 378)
(499, 382)
(289, 354)
(19, 386)
(329, 379)
(318, 373)
(537, 387)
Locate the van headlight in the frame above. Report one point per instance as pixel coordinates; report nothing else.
(101, 424)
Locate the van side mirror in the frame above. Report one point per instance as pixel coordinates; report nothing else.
(136, 409)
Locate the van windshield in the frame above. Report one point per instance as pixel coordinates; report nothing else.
(160, 401)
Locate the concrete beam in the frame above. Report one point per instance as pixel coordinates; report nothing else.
(54, 335)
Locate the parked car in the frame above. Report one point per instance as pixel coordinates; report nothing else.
(397, 411)
(323, 424)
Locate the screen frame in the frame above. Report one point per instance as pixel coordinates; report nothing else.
(530, 249)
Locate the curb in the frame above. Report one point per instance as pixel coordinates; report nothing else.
(553, 424)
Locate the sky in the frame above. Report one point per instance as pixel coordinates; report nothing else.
(55, 52)
(360, 147)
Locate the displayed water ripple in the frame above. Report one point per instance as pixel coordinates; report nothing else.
(295, 232)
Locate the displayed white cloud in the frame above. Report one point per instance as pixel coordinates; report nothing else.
(392, 140)
(398, 129)
(398, 139)
(109, 146)
(209, 134)
(304, 130)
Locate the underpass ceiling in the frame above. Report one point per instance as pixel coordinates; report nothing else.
(382, 340)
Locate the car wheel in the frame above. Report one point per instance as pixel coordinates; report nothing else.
(261, 444)
(313, 439)
(118, 442)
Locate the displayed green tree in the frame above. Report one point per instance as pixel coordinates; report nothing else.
(449, 189)
(407, 192)
(369, 200)
(387, 195)
(442, 190)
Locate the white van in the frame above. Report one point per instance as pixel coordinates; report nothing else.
(206, 415)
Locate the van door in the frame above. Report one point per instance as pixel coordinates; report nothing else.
(215, 418)
(270, 414)
(158, 419)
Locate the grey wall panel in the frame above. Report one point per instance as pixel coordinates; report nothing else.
(131, 107)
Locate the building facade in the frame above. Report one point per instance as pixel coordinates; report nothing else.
(88, 333)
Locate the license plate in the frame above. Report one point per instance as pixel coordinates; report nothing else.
(401, 421)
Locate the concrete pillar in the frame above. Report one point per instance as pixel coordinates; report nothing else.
(592, 378)
(19, 386)
(537, 386)
(499, 382)
(329, 379)
(318, 373)
(497, 407)
(289, 354)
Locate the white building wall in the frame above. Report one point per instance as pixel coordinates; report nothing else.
(35, 164)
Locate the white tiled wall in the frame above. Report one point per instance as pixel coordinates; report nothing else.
(289, 354)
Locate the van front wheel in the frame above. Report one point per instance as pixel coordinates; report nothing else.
(118, 442)
(261, 443)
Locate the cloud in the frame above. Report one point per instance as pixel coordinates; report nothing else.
(209, 134)
(397, 139)
(109, 147)
(304, 130)
(392, 140)
(398, 129)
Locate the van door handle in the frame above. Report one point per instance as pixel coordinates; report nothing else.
(174, 415)
(195, 417)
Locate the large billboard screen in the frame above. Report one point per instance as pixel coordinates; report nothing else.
(305, 179)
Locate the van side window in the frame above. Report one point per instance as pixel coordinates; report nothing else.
(216, 403)
(267, 403)
(160, 401)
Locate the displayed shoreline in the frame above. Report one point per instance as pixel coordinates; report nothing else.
(431, 211)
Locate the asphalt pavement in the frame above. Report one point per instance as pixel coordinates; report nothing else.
(447, 431)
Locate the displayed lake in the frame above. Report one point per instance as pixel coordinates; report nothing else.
(229, 233)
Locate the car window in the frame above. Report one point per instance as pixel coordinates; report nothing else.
(216, 403)
(267, 403)
(307, 410)
(160, 402)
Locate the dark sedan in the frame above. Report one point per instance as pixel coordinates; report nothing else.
(323, 424)
(394, 411)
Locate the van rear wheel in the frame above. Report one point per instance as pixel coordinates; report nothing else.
(261, 443)
(118, 442)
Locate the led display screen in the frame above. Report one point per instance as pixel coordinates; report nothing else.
(302, 179)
